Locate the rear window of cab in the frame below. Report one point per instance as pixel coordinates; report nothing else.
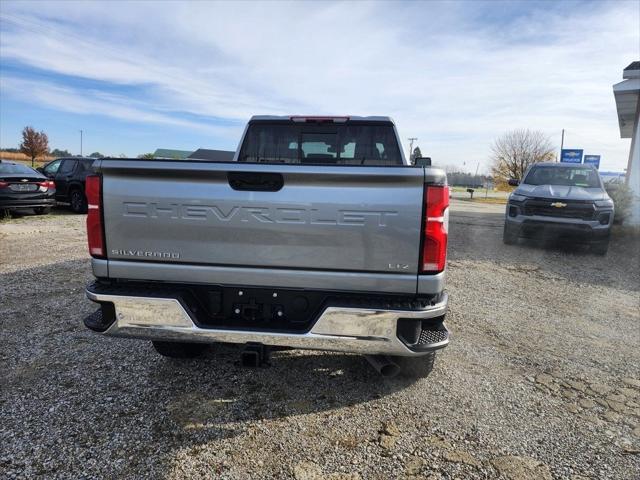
(333, 144)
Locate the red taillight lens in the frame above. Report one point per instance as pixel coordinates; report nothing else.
(436, 228)
(4, 184)
(95, 237)
(46, 185)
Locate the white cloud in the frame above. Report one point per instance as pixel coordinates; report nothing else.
(95, 102)
(446, 78)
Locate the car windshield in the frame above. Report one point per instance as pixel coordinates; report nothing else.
(15, 168)
(569, 176)
(336, 144)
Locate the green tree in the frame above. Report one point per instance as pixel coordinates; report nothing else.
(60, 153)
(146, 156)
(416, 153)
(96, 155)
(34, 144)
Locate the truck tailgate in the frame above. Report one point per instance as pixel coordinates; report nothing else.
(321, 218)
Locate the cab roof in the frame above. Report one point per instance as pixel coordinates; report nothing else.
(340, 118)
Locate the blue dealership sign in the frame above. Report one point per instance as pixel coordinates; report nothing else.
(592, 160)
(571, 155)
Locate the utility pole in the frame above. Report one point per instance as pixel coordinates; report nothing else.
(80, 142)
(411, 140)
(561, 146)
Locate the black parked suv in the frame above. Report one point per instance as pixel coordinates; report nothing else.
(69, 175)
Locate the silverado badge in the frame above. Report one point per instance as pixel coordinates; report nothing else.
(558, 204)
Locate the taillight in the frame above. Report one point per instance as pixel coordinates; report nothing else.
(46, 185)
(4, 184)
(436, 228)
(94, 216)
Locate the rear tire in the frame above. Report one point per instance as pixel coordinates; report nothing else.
(509, 237)
(416, 367)
(78, 201)
(42, 210)
(179, 349)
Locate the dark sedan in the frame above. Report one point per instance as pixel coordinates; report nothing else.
(23, 187)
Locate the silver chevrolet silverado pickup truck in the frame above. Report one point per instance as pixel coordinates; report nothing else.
(318, 235)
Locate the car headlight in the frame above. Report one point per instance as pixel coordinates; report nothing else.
(604, 203)
(517, 198)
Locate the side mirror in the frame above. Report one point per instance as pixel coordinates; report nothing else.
(422, 161)
(513, 182)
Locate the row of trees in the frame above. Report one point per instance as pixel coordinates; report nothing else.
(36, 145)
(511, 153)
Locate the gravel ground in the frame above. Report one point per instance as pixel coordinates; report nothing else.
(541, 379)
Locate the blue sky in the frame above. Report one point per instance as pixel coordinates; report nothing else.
(136, 76)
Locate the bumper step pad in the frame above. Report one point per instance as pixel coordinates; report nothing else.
(100, 320)
(428, 337)
(433, 338)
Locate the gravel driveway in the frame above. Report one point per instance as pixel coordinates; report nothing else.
(541, 379)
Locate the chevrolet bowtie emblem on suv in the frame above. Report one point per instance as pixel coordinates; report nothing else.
(558, 204)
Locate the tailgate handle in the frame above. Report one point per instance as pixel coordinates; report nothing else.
(255, 182)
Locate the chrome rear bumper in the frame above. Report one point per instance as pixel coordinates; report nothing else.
(355, 330)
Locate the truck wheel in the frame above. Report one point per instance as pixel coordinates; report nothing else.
(416, 367)
(600, 248)
(509, 237)
(42, 210)
(179, 349)
(78, 202)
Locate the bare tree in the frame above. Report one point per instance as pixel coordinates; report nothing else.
(514, 151)
(34, 144)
